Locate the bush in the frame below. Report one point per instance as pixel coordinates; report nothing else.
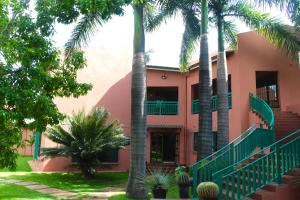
(87, 137)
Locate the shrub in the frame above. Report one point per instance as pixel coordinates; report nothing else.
(87, 136)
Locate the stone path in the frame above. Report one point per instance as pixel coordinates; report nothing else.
(44, 189)
(104, 194)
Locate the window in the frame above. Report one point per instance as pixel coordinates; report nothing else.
(162, 93)
(195, 88)
(215, 141)
(107, 156)
(214, 85)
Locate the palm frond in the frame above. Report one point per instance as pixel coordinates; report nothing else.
(84, 29)
(165, 10)
(230, 31)
(190, 38)
(272, 28)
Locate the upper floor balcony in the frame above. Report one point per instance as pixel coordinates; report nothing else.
(214, 103)
(162, 101)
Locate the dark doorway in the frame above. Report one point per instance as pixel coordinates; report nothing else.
(267, 88)
(162, 93)
(164, 147)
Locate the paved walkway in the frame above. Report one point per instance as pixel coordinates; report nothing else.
(44, 189)
(103, 195)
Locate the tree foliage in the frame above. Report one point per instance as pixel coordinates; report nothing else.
(87, 136)
(32, 74)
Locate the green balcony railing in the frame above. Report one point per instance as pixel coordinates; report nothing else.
(162, 107)
(214, 100)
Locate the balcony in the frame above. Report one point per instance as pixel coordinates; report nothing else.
(214, 100)
(160, 107)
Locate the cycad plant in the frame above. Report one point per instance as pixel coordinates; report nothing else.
(86, 136)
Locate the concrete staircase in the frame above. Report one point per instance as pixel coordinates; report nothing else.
(285, 123)
(273, 191)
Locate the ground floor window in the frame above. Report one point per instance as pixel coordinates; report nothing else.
(164, 147)
(215, 141)
(110, 155)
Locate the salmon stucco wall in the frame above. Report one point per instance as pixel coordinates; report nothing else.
(112, 89)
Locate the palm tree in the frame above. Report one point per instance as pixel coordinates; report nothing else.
(269, 27)
(86, 138)
(136, 186)
(85, 27)
(205, 82)
(194, 29)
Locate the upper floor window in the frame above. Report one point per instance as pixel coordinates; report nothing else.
(162, 100)
(195, 96)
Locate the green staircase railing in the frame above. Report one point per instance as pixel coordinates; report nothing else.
(162, 107)
(240, 149)
(284, 156)
(214, 100)
(261, 107)
(203, 169)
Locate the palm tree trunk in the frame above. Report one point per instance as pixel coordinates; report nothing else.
(222, 89)
(204, 139)
(136, 186)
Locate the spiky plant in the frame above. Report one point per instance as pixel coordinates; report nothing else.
(183, 179)
(179, 170)
(208, 191)
(158, 178)
(87, 136)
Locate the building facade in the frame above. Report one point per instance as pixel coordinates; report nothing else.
(256, 67)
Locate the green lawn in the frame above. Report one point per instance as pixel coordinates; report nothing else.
(73, 181)
(172, 192)
(66, 181)
(15, 192)
(22, 164)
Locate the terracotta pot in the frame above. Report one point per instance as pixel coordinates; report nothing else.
(159, 193)
(208, 198)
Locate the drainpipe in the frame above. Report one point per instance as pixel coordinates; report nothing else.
(185, 119)
(37, 138)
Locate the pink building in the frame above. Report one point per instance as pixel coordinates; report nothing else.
(255, 67)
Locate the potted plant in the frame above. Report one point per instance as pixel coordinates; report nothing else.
(183, 182)
(159, 183)
(208, 191)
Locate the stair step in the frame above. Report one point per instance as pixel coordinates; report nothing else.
(287, 179)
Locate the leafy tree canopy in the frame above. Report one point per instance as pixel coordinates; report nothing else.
(32, 74)
(68, 11)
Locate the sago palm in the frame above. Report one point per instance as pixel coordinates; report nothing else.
(86, 137)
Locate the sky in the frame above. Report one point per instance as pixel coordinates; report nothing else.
(164, 43)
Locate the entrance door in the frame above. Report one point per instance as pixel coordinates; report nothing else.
(267, 88)
(163, 147)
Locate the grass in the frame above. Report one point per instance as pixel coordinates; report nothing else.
(73, 181)
(22, 164)
(66, 181)
(16, 192)
(171, 194)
